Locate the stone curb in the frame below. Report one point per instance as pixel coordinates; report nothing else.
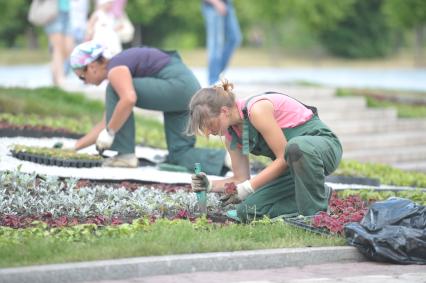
(174, 264)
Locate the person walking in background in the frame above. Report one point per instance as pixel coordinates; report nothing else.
(118, 8)
(147, 78)
(61, 41)
(79, 11)
(79, 16)
(223, 35)
(102, 27)
(124, 26)
(302, 148)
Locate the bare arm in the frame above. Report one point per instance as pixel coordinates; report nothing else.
(240, 169)
(121, 80)
(262, 118)
(219, 6)
(90, 30)
(90, 137)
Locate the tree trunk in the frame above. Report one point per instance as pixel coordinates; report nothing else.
(137, 40)
(32, 38)
(419, 60)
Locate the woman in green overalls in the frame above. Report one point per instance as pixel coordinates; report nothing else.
(302, 148)
(147, 78)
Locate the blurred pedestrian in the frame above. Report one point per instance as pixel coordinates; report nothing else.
(79, 16)
(223, 35)
(102, 27)
(61, 41)
(124, 26)
(147, 78)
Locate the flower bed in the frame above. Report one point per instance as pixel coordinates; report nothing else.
(26, 198)
(36, 126)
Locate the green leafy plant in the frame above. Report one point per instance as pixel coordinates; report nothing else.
(385, 173)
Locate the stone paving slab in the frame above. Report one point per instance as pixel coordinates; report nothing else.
(123, 269)
(353, 272)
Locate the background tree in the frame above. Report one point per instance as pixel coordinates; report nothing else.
(13, 22)
(363, 33)
(409, 14)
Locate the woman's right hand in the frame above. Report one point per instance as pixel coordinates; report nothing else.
(201, 183)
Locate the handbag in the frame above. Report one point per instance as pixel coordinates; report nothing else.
(42, 12)
(125, 29)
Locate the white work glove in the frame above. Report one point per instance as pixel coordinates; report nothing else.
(104, 140)
(201, 183)
(242, 191)
(65, 145)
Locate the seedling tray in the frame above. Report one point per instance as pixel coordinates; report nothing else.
(53, 161)
(306, 224)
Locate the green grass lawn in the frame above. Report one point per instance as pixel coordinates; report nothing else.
(21, 248)
(37, 245)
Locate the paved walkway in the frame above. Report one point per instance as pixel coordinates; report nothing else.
(404, 79)
(360, 272)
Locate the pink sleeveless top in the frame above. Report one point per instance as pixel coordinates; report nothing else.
(288, 112)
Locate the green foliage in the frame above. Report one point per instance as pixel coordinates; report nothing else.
(73, 125)
(404, 110)
(179, 24)
(49, 101)
(364, 33)
(405, 13)
(141, 238)
(157, 17)
(12, 21)
(385, 173)
(418, 196)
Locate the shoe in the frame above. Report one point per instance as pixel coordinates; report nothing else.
(233, 215)
(122, 160)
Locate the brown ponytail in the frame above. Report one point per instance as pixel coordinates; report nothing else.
(206, 104)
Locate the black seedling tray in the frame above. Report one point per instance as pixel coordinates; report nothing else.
(305, 224)
(52, 161)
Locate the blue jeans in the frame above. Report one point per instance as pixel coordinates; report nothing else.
(223, 37)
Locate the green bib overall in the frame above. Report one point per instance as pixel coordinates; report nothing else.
(313, 151)
(170, 91)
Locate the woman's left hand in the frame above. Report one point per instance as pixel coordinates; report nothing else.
(242, 191)
(104, 140)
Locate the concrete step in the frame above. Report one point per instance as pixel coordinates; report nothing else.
(297, 92)
(376, 126)
(371, 114)
(388, 155)
(337, 104)
(384, 140)
(418, 166)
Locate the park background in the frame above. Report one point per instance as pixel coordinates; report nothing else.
(386, 33)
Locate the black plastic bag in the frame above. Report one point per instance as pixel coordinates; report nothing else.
(392, 231)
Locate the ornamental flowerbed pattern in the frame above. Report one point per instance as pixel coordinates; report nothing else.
(341, 212)
(26, 198)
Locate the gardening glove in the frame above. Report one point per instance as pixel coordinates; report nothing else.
(104, 140)
(201, 183)
(238, 194)
(66, 145)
